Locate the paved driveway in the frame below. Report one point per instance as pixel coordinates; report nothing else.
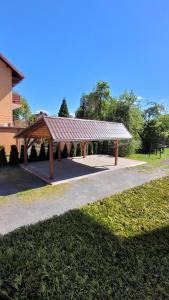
(17, 211)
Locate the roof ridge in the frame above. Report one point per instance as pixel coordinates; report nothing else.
(77, 119)
(10, 65)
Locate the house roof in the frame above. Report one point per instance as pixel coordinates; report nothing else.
(70, 129)
(17, 76)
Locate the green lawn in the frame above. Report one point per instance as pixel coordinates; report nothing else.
(117, 248)
(152, 159)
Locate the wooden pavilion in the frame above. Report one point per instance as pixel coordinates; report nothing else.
(70, 130)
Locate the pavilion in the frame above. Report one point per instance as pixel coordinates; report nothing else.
(70, 130)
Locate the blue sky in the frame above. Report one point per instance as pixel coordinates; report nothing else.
(64, 47)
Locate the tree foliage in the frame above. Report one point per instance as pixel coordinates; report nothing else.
(156, 127)
(23, 112)
(33, 154)
(100, 105)
(42, 153)
(14, 155)
(63, 111)
(3, 160)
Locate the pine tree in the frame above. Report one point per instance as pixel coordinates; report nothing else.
(3, 160)
(33, 155)
(42, 153)
(56, 153)
(95, 148)
(64, 152)
(72, 151)
(78, 150)
(89, 149)
(14, 155)
(63, 112)
(21, 158)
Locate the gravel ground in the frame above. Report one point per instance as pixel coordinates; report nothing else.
(19, 211)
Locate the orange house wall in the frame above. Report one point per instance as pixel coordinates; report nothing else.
(7, 139)
(5, 94)
(6, 117)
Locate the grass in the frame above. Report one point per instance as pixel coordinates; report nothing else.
(153, 159)
(117, 248)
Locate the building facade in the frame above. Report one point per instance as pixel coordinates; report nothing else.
(9, 101)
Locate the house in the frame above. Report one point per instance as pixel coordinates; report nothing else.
(9, 101)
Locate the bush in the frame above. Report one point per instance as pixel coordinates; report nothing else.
(89, 149)
(3, 160)
(56, 153)
(33, 155)
(78, 150)
(42, 153)
(14, 155)
(95, 148)
(129, 147)
(100, 148)
(64, 152)
(21, 158)
(72, 151)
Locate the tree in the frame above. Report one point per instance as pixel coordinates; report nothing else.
(63, 111)
(42, 153)
(129, 113)
(21, 158)
(22, 112)
(33, 155)
(82, 112)
(78, 150)
(3, 160)
(14, 156)
(153, 111)
(92, 104)
(156, 127)
(64, 153)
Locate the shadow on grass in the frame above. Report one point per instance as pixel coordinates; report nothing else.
(75, 257)
(15, 179)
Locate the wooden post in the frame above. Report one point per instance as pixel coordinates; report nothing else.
(84, 154)
(83, 144)
(116, 152)
(25, 152)
(59, 152)
(51, 160)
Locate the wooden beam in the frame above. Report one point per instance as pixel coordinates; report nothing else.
(25, 152)
(116, 154)
(51, 160)
(28, 146)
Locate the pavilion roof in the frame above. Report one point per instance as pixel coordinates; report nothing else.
(70, 129)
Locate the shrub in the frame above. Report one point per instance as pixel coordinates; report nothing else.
(14, 155)
(42, 153)
(78, 150)
(3, 160)
(21, 158)
(94, 148)
(56, 153)
(89, 149)
(100, 148)
(64, 152)
(73, 151)
(33, 155)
